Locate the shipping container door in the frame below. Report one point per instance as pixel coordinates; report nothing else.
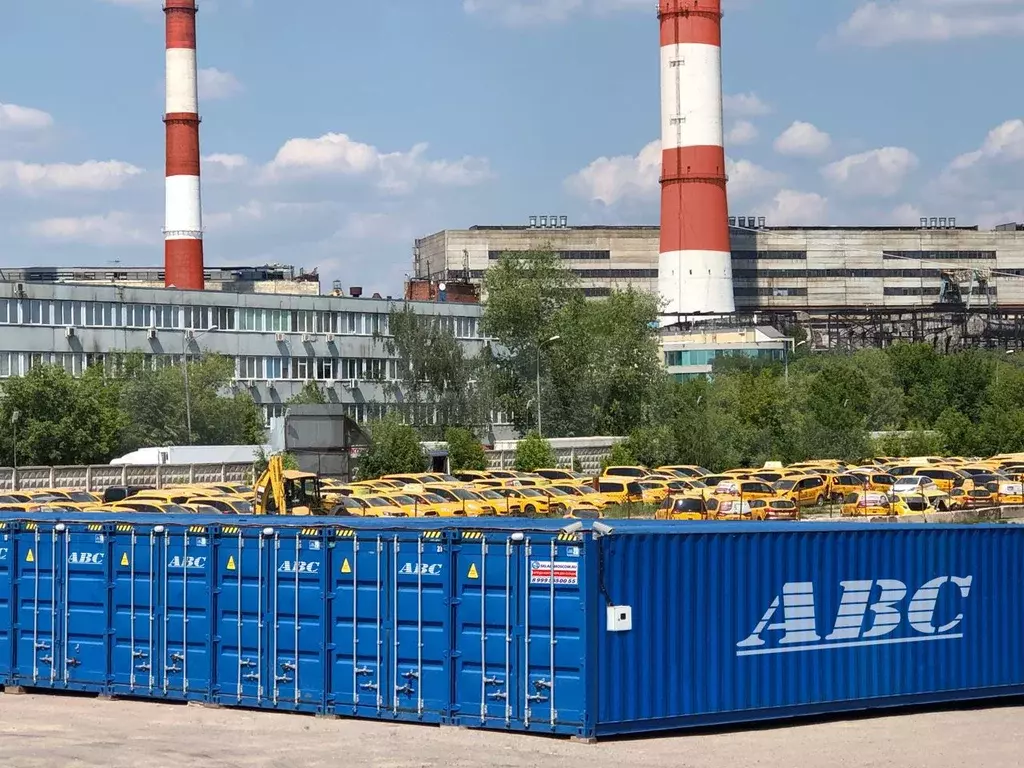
(85, 616)
(240, 601)
(389, 631)
(421, 624)
(357, 634)
(6, 613)
(137, 568)
(295, 622)
(518, 631)
(36, 554)
(185, 593)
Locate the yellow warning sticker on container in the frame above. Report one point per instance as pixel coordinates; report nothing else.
(124, 559)
(231, 562)
(345, 567)
(30, 558)
(472, 572)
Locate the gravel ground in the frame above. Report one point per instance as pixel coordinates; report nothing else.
(37, 731)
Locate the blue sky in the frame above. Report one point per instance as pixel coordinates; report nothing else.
(336, 131)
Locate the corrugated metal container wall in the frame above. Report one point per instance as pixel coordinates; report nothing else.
(6, 618)
(736, 626)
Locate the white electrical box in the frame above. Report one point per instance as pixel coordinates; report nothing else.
(620, 618)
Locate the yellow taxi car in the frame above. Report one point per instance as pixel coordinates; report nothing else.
(225, 504)
(745, 489)
(923, 488)
(620, 490)
(684, 471)
(379, 506)
(525, 501)
(946, 477)
(683, 506)
(775, 509)
(862, 503)
(587, 492)
(803, 490)
(628, 472)
(653, 491)
(732, 508)
(472, 503)
(1010, 492)
(556, 475)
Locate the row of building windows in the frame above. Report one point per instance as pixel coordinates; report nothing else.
(842, 273)
(408, 413)
(769, 254)
(762, 290)
(94, 314)
(590, 274)
(566, 255)
(932, 291)
(675, 358)
(946, 255)
(247, 368)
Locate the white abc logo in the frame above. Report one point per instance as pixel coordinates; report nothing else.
(299, 566)
(799, 625)
(421, 569)
(86, 558)
(187, 562)
(3, 553)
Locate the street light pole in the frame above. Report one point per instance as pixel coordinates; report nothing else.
(540, 346)
(188, 394)
(15, 415)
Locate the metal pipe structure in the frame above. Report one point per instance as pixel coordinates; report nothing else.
(183, 222)
(695, 266)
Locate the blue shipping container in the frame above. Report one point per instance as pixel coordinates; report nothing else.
(515, 624)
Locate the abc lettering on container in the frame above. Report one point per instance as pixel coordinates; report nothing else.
(869, 613)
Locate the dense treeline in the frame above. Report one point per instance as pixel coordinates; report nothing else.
(91, 419)
(600, 373)
(964, 403)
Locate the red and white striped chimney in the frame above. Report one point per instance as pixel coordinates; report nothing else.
(695, 267)
(183, 218)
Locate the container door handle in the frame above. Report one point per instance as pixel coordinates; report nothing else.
(492, 681)
(541, 685)
(537, 697)
(364, 671)
(404, 689)
(498, 695)
(368, 686)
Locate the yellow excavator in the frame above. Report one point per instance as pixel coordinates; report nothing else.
(281, 491)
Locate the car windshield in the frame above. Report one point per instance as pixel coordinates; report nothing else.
(465, 494)
(176, 509)
(769, 477)
(784, 485)
(558, 492)
(487, 493)
(403, 499)
(243, 507)
(911, 482)
(625, 471)
(650, 486)
(81, 496)
(376, 501)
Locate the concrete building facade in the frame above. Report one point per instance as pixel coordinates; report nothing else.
(786, 268)
(278, 341)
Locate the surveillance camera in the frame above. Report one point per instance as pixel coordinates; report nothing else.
(600, 529)
(573, 527)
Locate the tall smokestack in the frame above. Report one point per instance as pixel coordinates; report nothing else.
(183, 220)
(695, 267)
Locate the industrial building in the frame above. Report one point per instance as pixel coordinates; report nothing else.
(279, 341)
(804, 269)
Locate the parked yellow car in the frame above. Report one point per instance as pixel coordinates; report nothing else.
(684, 506)
(803, 490)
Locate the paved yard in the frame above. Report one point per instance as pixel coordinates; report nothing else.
(55, 731)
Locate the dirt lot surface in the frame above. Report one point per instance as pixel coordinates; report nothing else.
(62, 731)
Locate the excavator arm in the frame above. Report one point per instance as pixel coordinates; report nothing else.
(271, 486)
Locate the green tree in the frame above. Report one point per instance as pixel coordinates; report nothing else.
(534, 452)
(464, 450)
(597, 361)
(647, 446)
(61, 420)
(440, 386)
(310, 394)
(394, 449)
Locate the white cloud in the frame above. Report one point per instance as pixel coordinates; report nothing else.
(742, 132)
(136, 3)
(215, 84)
(397, 172)
(887, 23)
(611, 179)
(226, 161)
(528, 12)
(116, 228)
(93, 175)
(1005, 141)
(803, 140)
(746, 177)
(876, 172)
(15, 118)
(790, 207)
(745, 105)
